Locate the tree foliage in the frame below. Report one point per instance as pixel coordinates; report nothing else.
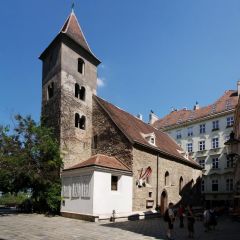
(30, 159)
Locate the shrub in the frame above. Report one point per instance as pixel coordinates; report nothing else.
(12, 200)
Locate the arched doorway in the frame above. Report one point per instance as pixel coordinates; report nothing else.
(164, 201)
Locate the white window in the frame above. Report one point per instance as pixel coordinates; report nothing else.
(66, 187)
(201, 145)
(215, 125)
(229, 184)
(179, 135)
(76, 187)
(202, 163)
(202, 128)
(85, 186)
(215, 142)
(214, 185)
(215, 162)
(152, 140)
(189, 147)
(230, 121)
(190, 131)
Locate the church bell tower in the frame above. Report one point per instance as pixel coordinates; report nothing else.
(69, 80)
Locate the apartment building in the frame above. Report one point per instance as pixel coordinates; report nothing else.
(202, 132)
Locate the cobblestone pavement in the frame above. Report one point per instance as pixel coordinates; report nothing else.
(39, 227)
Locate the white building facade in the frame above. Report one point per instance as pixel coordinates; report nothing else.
(202, 133)
(96, 190)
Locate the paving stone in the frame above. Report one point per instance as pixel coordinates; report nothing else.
(40, 227)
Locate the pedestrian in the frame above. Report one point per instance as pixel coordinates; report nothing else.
(181, 215)
(191, 221)
(212, 218)
(206, 219)
(169, 218)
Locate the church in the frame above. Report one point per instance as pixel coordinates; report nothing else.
(115, 164)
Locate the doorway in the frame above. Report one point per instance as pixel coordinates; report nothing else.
(164, 201)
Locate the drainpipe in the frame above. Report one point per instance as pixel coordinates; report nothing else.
(157, 206)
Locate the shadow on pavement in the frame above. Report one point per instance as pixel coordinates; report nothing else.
(147, 227)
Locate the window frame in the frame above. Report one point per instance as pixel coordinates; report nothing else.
(214, 185)
(215, 142)
(201, 145)
(202, 128)
(215, 163)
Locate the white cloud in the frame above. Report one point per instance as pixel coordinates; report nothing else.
(100, 82)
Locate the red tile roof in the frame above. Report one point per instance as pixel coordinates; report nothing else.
(101, 161)
(72, 28)
(133, 129)
(225, 103)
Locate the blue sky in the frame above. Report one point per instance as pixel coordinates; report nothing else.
(155, 54)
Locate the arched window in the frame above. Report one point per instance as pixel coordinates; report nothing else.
(82, 122)
(81, 66)
(166, 179)
(76, 90)
(80, 92)
(77, 118)
(50, 90)
(180, 184)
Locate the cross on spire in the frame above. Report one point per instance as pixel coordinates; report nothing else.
(73, 6)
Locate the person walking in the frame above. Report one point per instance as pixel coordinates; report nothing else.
(169, 218)
(206, 219)
(191, 221)
(181, 215)
(212, 218)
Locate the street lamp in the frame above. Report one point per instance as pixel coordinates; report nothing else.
(232, 146)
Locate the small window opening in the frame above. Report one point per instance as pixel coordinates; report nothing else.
(82, 122)
(81, 66)
(50, 90)
(77, 118)
(114, 183)
(180, 184)
(95, 142)
(76, 90)
(80, 92)
(150, 194)
(166, 179)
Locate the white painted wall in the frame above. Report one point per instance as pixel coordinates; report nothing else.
(105, 200)
(81, 204)
(102, 200)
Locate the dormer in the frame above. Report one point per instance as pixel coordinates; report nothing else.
(183, 153)
(150, 138)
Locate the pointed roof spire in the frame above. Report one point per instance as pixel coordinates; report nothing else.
(72, 29)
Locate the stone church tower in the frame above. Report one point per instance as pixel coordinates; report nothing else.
(69, 80)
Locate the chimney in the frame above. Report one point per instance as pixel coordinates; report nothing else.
(238, 87)
(152, 117)
(140, 116)
(196, 106)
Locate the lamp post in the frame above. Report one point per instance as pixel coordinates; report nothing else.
(232, 146)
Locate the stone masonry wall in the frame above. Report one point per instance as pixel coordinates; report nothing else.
(110, 140)
(143, 159)
(76, 143)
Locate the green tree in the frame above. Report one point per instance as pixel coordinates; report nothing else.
(30, 159)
